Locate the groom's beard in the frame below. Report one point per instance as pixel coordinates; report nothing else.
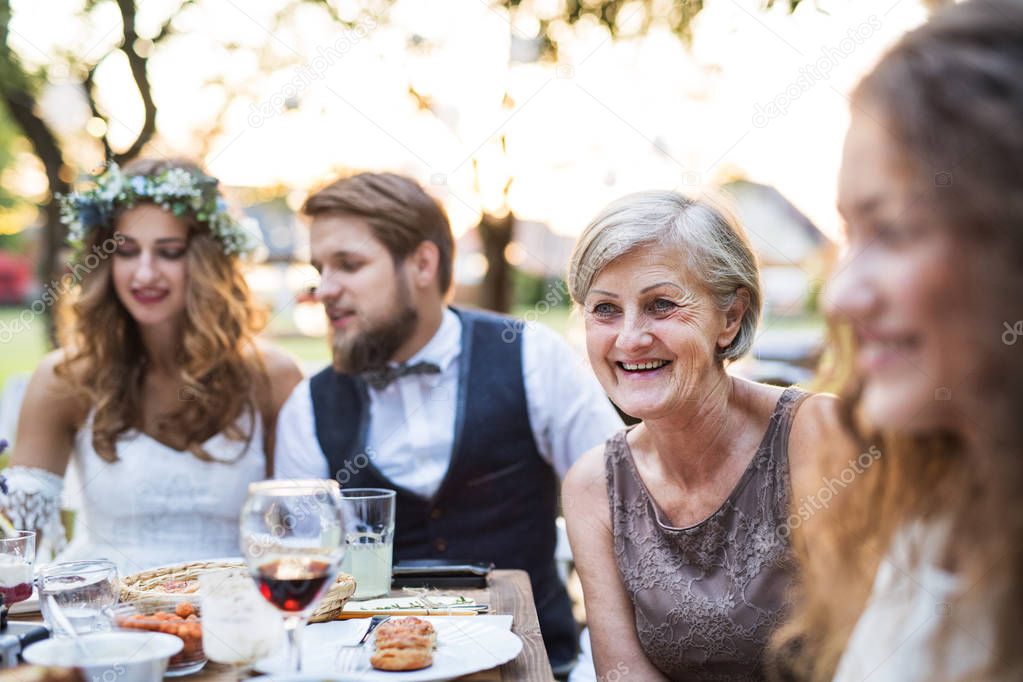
(374, 348)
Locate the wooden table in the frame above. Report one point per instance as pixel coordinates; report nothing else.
(507, 592)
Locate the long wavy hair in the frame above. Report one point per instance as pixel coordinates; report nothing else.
(951, 94)
(220, 365)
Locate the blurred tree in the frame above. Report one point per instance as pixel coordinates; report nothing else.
(20, 89)
(9, 133)
(677, 15)
(22, 86)
(497, 231)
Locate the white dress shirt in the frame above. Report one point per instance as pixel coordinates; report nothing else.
(411, 430)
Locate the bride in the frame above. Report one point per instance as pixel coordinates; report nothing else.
(160, 389)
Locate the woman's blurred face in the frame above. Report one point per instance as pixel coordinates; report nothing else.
(902, 287)
(150, 266)
(652, 333)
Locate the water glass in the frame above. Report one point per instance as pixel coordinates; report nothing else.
(369, 534)
(86, 591)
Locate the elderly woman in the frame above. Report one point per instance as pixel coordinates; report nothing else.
(677, 525)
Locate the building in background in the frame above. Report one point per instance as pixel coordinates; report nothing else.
(795, 255)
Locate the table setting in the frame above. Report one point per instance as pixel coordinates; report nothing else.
(303, 601)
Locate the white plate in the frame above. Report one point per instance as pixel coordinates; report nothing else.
(465, 645)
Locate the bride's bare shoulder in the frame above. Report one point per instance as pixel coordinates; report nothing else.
(59, 371)
(282, 373)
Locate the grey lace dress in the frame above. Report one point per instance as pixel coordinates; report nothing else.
(707, 597)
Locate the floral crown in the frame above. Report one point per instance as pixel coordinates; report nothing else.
(177, 190)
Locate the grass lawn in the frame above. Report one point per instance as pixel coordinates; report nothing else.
(22, 342)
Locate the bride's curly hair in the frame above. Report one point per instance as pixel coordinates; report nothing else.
(951, 94)
(220, 365)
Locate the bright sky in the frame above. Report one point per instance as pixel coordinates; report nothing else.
(611, 118)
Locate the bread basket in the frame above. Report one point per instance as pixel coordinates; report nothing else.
(165, 587)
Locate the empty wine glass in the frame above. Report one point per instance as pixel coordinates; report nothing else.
(292, 536)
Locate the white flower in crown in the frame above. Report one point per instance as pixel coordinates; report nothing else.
(177, 190)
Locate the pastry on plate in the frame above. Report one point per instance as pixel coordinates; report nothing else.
(404, 644)
(410, 625)
(402, 659)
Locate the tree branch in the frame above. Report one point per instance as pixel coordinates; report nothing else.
(90, 95)
(137, 64)
(167, 28)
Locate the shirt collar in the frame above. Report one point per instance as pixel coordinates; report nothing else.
(445, 345)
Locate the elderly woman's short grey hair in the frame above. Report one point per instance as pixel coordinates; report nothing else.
(708, 238)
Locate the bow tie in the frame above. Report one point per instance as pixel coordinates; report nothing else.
(382, 378)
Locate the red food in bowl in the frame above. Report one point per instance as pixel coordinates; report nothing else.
(183, 623)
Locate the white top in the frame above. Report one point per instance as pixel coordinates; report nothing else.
(156, 505)
(412, 421)
(897, 636)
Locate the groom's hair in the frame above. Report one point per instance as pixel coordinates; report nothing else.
(398, 211)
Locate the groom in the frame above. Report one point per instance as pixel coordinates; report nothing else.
(470, 417)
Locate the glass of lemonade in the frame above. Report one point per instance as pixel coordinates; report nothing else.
(369, 534)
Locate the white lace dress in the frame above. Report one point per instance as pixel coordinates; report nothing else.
(156, 505)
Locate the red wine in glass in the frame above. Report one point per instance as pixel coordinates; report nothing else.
(292, 583)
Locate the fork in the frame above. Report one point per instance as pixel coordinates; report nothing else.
(349, 656)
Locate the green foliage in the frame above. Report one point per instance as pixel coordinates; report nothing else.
(9, 136)
(12, 243)
(529, 289)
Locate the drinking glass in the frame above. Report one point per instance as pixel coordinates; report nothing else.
(17, 553)
(86, 591)
(292, 539)
(369, 534)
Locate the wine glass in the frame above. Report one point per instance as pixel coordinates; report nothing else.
(292, 536)
(17, 553)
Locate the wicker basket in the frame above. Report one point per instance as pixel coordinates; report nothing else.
(334, 601)
(147, 591)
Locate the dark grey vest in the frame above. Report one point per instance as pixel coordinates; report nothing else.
(498, 500)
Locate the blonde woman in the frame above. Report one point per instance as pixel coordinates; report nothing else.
(915, 572)
(679, 525)
(160, 389)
